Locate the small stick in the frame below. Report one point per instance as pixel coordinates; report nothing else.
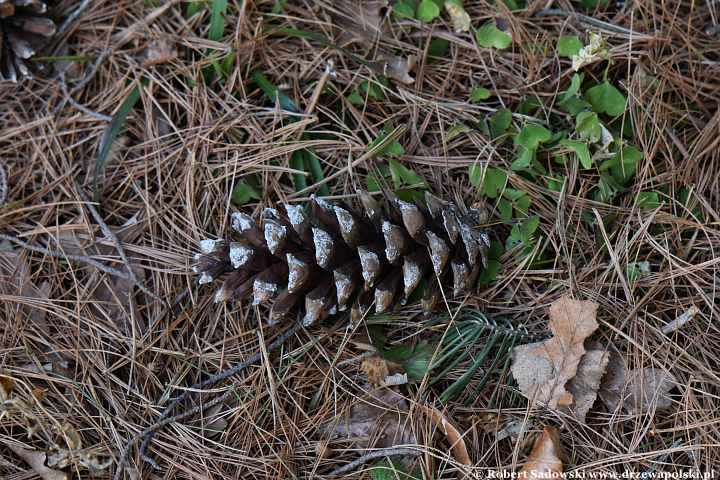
(165, 419)
(381, 453)
(678, 323)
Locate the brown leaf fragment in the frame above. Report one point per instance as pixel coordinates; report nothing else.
(585, 385)
(159, 52)
(378, 420)
(376, 369)
(453, 435)
(636, 391)
(36, 460)
(543, 368)
(544, 459)
(398, 68)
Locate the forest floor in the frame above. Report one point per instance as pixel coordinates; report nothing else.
(588, 130)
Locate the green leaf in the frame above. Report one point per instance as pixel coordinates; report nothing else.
(532, 135)
(605, 98)
(528, 228)
(355, 98)
(494, 182)
(110, 135)
(587, 125)
(193, 8)
(404, 10)
(438, 47)
(505, 208)
(573, 89)
(403, 176)
(387, 469)
(457, 130)
(373, 90)
(555, 183)
(574, 105)
(243, 193)
(393, 149)
(414, 360)
(500, 121)
(217, 20)
(637, 270)
(524, 160)
(522, 204)
(479, 94)
(489, 274)
(475, 173)
(581, 150)
(648, 200)
(427, 11)
(623, 165)
(569, 45)
(489, 36)
(607, 189)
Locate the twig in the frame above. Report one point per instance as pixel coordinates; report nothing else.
(165, 419)
(118, 245)
(678, 323)
(384, 452)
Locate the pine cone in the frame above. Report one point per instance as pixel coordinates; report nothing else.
(333, 257)
(24, 29)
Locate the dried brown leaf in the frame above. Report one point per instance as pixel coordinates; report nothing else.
(453, 435)
(584, 386)
(159, 52)
(544, 459)
(380, 420)
(635, 391)
(542, 369)
(36, 460)
(376, 369)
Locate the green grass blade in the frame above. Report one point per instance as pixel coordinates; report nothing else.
(316, 172)
(272, 92)
(297, 162)
(110, 135)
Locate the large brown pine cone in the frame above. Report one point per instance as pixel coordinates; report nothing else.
(328, 257)
(24, 30)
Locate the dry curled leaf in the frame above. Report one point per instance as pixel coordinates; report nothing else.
(397, 68)
(36, 460)
(159, 52)
(544, 459)
(381, 372)
(376, 369)
(453, 435)
(635, 391)
(380, 420)
(584, 386)
(542, 369)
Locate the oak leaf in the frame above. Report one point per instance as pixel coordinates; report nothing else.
(636, 391)
(543, 369)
